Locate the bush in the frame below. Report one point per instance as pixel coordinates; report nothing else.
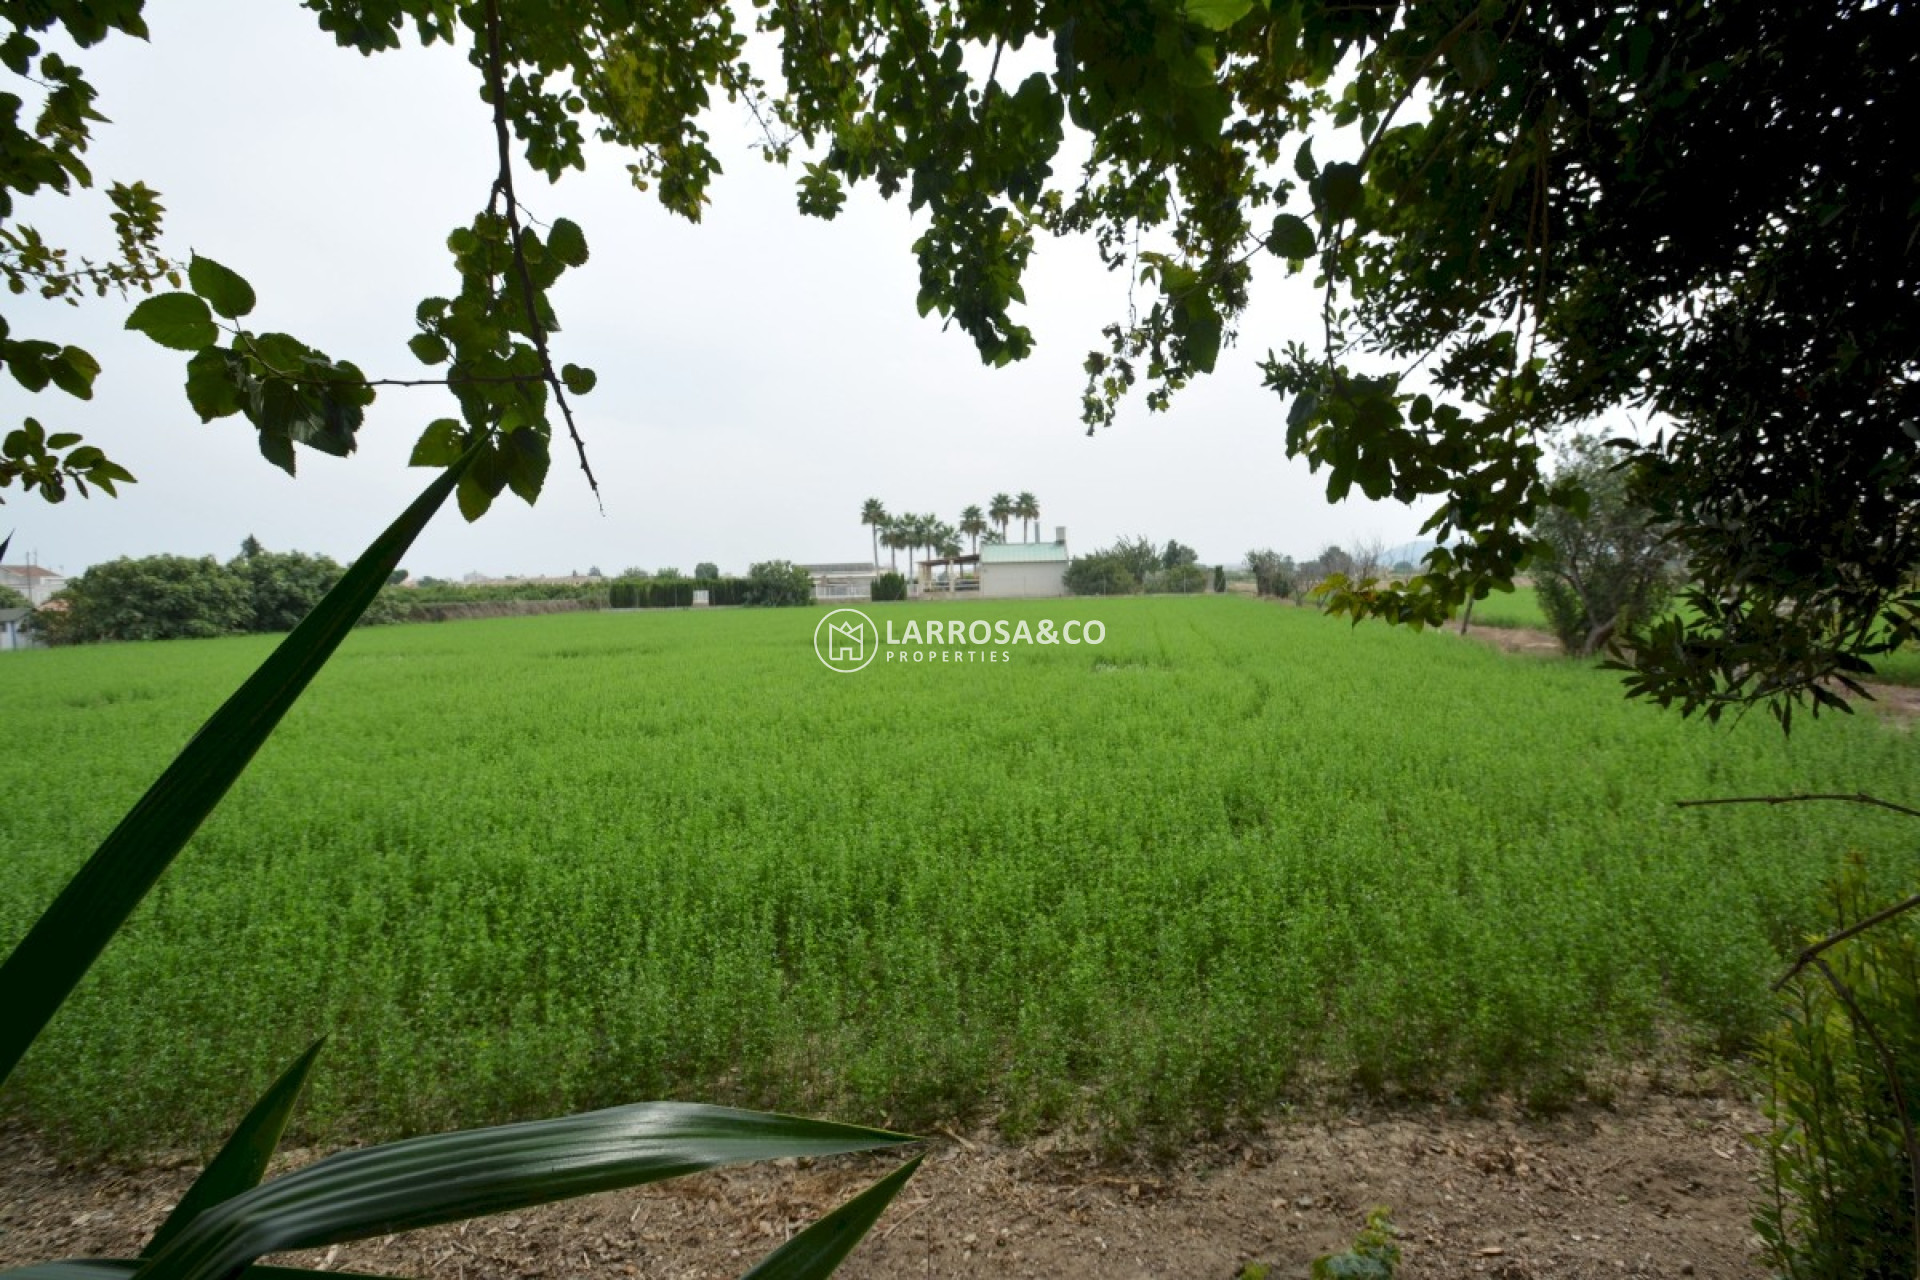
(1219, 578)
(890, 586)
(153, 598)
(1842, 1184)
(778, 583)
(1100, 574)
(1184, 579)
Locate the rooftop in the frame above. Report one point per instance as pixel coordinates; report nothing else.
(1022, 552)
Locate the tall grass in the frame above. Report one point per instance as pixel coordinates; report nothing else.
(1153, 884)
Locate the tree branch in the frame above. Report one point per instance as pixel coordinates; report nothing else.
(1859, 797)
(503, 186)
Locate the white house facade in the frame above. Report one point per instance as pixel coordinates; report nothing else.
(30, 580)
(1024, 570)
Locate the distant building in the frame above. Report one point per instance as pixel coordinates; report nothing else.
(16, 631)
(852, 580)
(30, 580)
(1025, 570)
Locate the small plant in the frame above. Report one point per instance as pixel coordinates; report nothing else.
(1844, 1070)
(1374, 1254)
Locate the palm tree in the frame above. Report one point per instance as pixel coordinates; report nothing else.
(947, 545)
(872, 513)
(892, 537)
(973, 524)
(1027, 507)
(1000, 510)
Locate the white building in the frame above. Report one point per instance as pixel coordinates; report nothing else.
(15, 631)
(35, 583)
(1024, 570)
(852, 580)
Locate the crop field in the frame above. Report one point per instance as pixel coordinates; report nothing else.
(1231, 855)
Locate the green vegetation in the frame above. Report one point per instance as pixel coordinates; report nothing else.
(1842, 1188)
(1246, 850)
(1519, 607)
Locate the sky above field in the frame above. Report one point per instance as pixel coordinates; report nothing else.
(761, 374)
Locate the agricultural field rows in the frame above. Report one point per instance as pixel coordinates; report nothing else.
(1234, 854)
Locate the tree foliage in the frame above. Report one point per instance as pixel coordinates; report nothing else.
(151, 598)
(778, 583)
(1604, 567)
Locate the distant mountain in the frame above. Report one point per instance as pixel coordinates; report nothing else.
(1410, 551)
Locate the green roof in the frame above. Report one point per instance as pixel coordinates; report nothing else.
(1023, 552)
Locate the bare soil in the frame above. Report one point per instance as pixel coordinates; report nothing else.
(1655, 1184)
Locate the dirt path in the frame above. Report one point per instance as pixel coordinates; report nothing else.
(1656, 1185)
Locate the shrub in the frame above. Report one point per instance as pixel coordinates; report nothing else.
(1841, 1181)
(1219, 578)
(890, 586)
(778, 583)
(1184, 579)
(1100, 574)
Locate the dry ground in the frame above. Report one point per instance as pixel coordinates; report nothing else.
(1657, 1184)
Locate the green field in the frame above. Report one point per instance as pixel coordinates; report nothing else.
(1235, 854)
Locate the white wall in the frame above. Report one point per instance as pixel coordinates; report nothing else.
(1023, 581)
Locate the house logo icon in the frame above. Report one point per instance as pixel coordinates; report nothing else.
(846, 640)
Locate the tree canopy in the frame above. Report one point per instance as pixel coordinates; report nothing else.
(1524, 218)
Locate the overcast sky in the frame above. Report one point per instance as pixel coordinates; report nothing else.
(761, 374)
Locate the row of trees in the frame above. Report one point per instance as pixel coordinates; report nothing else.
(912, 533)
(1139, 564)
(173, 597)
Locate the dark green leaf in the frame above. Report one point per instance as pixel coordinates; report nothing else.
(815, 1252)
(1304, 406)
(578, 380)
(1340, 190)
(526, 459)
(124, 1269)
(427, 348)
(242, 1162)
(73, 371)
(224, 291)
(422, 1182)
(567, 242)
(1291, 237)
(211, 389)
(1303, 161)
(177, 320)
(71, 933)
(276, 447)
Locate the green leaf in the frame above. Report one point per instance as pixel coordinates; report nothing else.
(125, 1268)
(64, 942)
(177, 320)
(567, 242)
(817, 1251)
(578, 380)
(1217, 15)
(1291, 237)
(73, 371)
(440, 445)
(277, 447)
(1340, 190)
(526, 460)
(423, 1182)
(242, 1161)
(225, 291)
(1303, 164)
(1305, 405)
(428, 348)
(211, 389)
